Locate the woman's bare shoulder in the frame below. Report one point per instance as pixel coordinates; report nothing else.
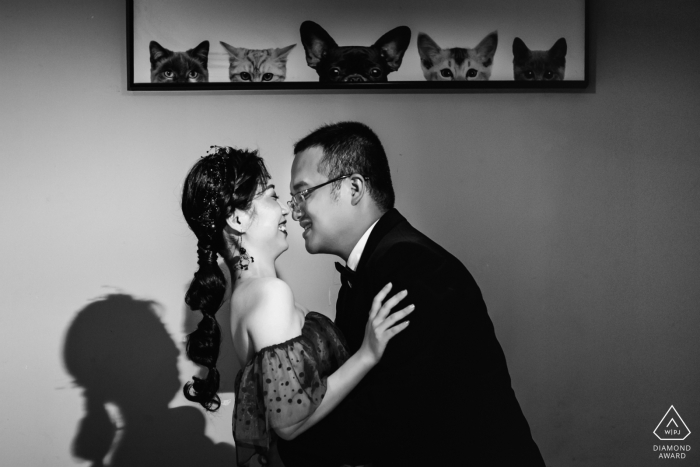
(269, 287)
(267, 311)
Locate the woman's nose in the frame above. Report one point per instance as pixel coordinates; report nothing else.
(285, 209)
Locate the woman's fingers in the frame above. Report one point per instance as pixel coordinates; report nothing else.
(378, 299)
(382, 326)
(389, 333)
(390, 303)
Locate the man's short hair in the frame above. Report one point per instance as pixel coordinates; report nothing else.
(352, 147)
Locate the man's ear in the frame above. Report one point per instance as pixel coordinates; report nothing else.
(239, 221)
(358, 188)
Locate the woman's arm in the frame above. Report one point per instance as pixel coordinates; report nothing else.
(378, 332)
(339, 384)
(272, 319)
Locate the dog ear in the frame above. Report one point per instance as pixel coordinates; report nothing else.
(317, 42)
(393, 44)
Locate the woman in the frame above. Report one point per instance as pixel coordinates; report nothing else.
(296, 368)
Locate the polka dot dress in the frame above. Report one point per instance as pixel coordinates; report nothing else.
(283, 384)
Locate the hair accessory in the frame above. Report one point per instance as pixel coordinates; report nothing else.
(218, 151)
(243, 260)
(216, 161)
(206, 256)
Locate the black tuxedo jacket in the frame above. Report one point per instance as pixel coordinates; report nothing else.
(441, 394)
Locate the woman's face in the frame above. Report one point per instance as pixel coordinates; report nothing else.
(268, 229)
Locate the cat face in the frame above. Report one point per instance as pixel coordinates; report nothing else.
(457, 64)
(539, 65)
(251, 65)
(179, 67)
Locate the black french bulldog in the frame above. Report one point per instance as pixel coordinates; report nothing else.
(353, 64)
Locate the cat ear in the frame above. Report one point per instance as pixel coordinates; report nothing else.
(235, 52)
(158, 52)
(519, 48)
(317, 42)
(487, 47)
(393, 44)
(558, 50)
(201, 52)
(428, 49)
(282, 53)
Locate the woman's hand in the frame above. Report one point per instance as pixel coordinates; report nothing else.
(380, 325)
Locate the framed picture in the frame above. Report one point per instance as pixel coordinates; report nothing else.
(453, 45)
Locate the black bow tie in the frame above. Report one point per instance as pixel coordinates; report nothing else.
(347, 275)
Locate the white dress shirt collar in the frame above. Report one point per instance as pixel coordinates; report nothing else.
(356, 253)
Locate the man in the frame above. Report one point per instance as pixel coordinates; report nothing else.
(441, 394)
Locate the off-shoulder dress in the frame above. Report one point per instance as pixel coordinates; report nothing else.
(283, 384)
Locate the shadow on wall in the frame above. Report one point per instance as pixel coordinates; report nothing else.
(119, 352)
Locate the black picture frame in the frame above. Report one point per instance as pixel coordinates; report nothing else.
(137, 10)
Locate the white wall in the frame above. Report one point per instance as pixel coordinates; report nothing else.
(577, 213)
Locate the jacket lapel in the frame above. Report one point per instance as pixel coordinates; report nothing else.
(386, 223)
(352, 307)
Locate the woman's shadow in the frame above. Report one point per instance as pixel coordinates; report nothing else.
(119, 352)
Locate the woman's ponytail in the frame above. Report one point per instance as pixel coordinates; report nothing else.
(206, 294)
(218, 184)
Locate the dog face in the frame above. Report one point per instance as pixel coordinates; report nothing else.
(353, 63)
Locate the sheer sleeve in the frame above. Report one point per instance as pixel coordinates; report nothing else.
(283, 384)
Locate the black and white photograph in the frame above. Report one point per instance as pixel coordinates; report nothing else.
(349, 234)
(450, 44)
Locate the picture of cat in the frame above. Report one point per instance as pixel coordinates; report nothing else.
(179, 67)
(457, 63)
(255, 65)
(539, 65)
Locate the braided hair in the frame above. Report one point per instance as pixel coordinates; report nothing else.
(219, 183)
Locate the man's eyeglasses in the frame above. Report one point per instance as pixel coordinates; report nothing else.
(299, 197)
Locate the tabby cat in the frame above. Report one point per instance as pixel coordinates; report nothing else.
(179, 67)
(457, 63)
(539, 65)
(251, 65)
